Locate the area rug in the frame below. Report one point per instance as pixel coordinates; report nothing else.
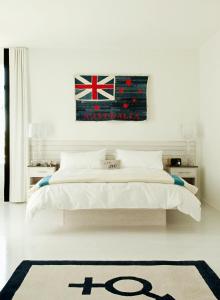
(112, 280)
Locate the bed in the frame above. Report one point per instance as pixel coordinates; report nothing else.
(81, 183)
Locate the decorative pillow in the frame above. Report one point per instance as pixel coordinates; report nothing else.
(82, 160)
(136, 159)
(111, 164)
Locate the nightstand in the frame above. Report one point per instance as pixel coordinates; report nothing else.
(188, 173)
(36, 173)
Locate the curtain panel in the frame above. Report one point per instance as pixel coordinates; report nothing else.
(18, 124)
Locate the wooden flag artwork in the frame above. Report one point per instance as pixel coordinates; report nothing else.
(106, 98)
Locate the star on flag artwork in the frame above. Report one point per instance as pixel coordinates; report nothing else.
(105, 98)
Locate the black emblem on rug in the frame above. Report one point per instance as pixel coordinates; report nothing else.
(88, 285)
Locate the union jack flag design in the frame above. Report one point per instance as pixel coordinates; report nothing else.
(99, 88)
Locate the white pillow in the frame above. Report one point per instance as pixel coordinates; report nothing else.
(82, 160)
(143, 159)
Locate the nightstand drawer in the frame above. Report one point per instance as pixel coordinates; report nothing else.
(183, 172)
(40, 171)
(187, 173)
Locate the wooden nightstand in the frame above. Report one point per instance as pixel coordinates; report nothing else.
(188, 173)
(36, 173)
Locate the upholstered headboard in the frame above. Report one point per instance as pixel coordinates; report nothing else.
(50, 149)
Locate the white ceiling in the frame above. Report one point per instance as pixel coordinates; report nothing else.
(101, 24)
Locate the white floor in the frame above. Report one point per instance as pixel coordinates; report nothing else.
(182, 239)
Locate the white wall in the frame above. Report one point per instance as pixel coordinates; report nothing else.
(210, 119)
(172, 94)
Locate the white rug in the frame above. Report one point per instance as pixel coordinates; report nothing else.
(99, 280)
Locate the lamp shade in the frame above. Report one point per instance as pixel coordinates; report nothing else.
(39, 130)
(189, 131)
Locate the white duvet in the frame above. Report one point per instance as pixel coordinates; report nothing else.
(111, 189)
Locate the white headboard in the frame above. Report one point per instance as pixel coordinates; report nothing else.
(50, 149)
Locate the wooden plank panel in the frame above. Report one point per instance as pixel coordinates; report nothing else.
(50, 149)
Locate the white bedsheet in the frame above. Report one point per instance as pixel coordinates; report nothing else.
(111, 195)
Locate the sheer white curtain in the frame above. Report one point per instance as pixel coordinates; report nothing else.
(18, 123)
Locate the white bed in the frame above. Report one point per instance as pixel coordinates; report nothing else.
(135, 188)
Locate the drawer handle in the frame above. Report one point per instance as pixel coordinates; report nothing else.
(185, 173)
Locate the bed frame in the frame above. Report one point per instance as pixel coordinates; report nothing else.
(115, 217)
(50, 150)
(53, 219)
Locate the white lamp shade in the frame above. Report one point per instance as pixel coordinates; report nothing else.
(189, 131)
(39, 130)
